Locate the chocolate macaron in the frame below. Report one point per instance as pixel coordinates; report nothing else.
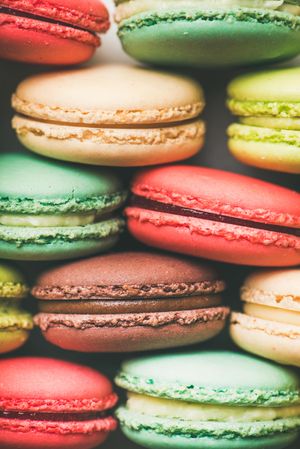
(130, 301)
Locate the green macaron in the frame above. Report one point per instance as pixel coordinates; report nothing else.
(215, 400)
(268, 132)
(209, 33)
(53, 210)
(15, 324)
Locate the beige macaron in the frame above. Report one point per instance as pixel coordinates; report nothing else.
(110, 115)
(270, 324)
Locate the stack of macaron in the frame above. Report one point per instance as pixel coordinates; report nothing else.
(119, 269)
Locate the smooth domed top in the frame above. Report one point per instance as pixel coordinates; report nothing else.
(280, 282)
(271, 85)
(12, 283)
(220, 192)
(129, 268)
(10, 274)
(212, 377)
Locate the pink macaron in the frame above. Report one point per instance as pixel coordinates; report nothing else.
(217, 215)
(53, 404)
(56, 32)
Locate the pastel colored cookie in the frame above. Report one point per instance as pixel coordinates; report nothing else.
(110, 115)
(215, 214)
(209, 400)
(15, 324)
(208, 33)
(57, 32)
(131, 301)
(270, 323)
(51, 210)
(53, 404)
(268, 132)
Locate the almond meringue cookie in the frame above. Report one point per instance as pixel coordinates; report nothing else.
(209, 33)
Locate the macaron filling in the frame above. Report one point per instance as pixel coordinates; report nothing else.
(273, 314)
(146, 203)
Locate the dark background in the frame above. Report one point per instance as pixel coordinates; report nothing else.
(214, 154)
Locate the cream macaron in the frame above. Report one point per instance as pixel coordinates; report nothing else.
(270, 324)
(111, 115)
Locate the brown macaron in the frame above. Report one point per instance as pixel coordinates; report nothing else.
(130, 301)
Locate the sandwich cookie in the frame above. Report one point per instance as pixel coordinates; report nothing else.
(209, 33)
(53, 404)
(131, 301)
(110, 115)
(215, 214)
(209, 400)
(57, 32)
(268, 132)
(51, 210)
(15, 324)
(270, 323)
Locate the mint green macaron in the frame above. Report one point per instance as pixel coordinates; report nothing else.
(209, 400)
(209, 33)
(53, 210)
(268, 132)
(15, 324)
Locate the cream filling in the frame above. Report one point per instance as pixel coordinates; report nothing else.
(42, 221)
(130, 8)
(272, 314)
(167, 408)
(272, 122)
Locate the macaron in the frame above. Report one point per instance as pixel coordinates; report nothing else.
(130, 301)
(53, 404)
(209, 400)
(270, 323)
(215, 214)
(209, 33)
(56, 32)
(15, 324)
(52, 210)
(110, 115)
(267, 134)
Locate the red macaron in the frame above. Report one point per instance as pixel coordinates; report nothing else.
(53, 404)
(217, 215)
(56, 32)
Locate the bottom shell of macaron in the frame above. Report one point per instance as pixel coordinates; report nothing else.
(12, 339)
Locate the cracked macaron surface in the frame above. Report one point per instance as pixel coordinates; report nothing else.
(56, 32)
(210, 399)
(215, 214)
(267, 134)
(130, 301)
(270, 323)
(52, 210)
(110, 115)
(61, 404)
(15, 323)
(208, 33)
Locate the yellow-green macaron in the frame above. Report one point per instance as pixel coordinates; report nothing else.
(15, 324)
(270, 323)
(268, 132)
(110, 115)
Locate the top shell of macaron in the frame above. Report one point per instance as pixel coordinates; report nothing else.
(109, 94)
(129, 275)
(219, 192)
(275, 288)
(33, 185)
(49, 385)
(212, 377)
(88, 14)
(12, 283)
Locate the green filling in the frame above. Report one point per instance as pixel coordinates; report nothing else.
(263, 108)
(13, 290)
(252, 133)
(44, 236)
(198, 429)
(11, 318)
(104, 204)
(245, 15)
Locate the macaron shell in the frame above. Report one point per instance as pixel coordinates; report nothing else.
(272, 340)
(211, 38)
(111, 146)
(12, 339)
